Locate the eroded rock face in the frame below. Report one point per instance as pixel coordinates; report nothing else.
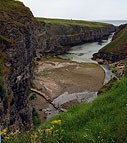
(114, 52)
(60, 39)
(108, 58)
(19, 36)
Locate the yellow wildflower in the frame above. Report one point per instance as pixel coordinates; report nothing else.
(6, 138)
(56, 122)
(113, 141)
(3, 132)
(51, 128)
(59, 122)
(48, 130)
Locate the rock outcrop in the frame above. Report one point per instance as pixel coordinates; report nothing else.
(117, 49)
(58, 38)
(18, 40)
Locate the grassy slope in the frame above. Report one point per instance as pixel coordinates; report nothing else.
(103, 120)
(118, 45)
(10, 13)
(13, 8)
(66, 22)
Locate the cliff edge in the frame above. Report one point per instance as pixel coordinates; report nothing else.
(60, 34)
(117, 49)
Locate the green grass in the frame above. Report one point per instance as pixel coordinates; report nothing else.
(28, 92)
(11, 13)
(66, 22)
(118, 45)
(35, 118)
(56, 27)
(103, 120)
(12, 7)
(107, 86)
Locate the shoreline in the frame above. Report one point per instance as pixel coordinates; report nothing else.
(62, 80)
(65, 72)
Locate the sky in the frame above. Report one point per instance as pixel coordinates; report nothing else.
(79, 9)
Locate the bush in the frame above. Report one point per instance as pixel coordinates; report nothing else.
(43, 23)
(32, 97)
(28, 92)
(36, 120)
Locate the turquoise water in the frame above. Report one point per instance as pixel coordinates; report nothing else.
(84, 52)
(81, 53)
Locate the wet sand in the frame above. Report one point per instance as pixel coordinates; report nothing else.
(56, 77)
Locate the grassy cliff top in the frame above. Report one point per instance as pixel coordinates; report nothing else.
(118, 45)
(12, 7)
(10, 13)
(66, 22)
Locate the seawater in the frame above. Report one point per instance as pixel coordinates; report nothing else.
(114, 22)
(84, 53)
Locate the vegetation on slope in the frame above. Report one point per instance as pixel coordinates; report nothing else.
(11, 14)
(10, 8)
(118, 45)
(66, 22)
(7, 15)
(103, 120)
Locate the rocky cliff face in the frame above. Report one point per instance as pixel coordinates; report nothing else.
(59, 38)
(18, 40)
